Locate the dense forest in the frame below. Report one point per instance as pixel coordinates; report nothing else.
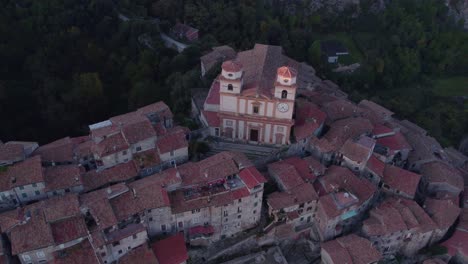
(66, 64)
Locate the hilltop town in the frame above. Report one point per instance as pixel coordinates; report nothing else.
(296, 173)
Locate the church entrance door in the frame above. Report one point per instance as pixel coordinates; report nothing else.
(253, 135)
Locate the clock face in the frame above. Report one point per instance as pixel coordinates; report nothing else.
(283, 107)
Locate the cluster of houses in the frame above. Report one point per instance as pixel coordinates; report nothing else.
(366, 185)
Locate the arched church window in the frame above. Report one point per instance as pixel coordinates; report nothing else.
(284, 94)
(230, 87)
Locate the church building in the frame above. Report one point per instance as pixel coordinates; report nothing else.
(252, 100)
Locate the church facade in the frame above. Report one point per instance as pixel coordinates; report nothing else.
(252, 100)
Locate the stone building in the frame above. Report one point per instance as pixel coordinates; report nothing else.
(343, 200)
(398, 226)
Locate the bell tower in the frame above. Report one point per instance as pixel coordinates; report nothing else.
(285, 85)
(231, 77)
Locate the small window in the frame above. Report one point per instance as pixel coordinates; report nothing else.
(239, 216)
(181, 224)
(26, 257)
(256, 195)
(230, 74)
(225, 219)
(172, 153)
(138, 148)
(34, 185)
(284, 94)
(230, 87)
(103, 254)
(135, 236)
(255, 204)
(21, 187)
(67, 190)
(37, 193)
(254, 211)
(125, 152)
(24, 195)
(240, 200)
(255, 109)
(225, 213)
(40, 254)
(120, 251)
(150, 219)
(116, 243)
(163, 227)
(239, 210)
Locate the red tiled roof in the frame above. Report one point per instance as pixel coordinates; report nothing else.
(251, 177)
(138, 131)
(179, 204)
(160, 108)
(443, 212)
(351, 249)
(394, 143)
(381, 130)
(172, 141)
(438, 172)
(309, 118)
(286, 72)
(140, 255)
(144, 194)
(340, 109)
(379, 110)
(232, 66)
(260, 66)
(217, 55)
(212, 118)
(63, 177)
(357, 151)
(77, 254)
(342, 130)
(211, 169)
(60, 207)
(304, 167)
(69, 229)
(300, 194)
(376, 166)
(171, 250)
(456, 244)
(402, 180)
(58, 151)
(111, 145)
(119, 234)
(286, 174)
(213, 95)
(35, 234)
(23, 173)
(119, 173)
(99, 206)
(12, 152)
(315, 166)
(337, 253)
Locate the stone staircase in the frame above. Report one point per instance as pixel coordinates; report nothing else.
(253, 152)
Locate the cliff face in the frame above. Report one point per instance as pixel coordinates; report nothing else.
(459, 9)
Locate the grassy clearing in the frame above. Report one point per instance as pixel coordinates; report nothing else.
(448, 87)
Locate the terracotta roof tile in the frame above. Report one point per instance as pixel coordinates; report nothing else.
(172, 141)
(23, 173)
(171, 250)
(443, 212)
(251, 177)
(402, 180)
(358, 150)
(232, 66)
(138, 131)
(58, 151)
(286, 175)
(376, 166)
(69, 229)
(358, 250)
(456, 244)
(309, 118)
(77, 254)
(213, 95)
(140, 255)
(63, 177)
(438, 172)
(300, 194)
(11, 153)
(342, 130)
(340, 109)
(395, 143)
(111, 145)
(286, 72)
(60, 207)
